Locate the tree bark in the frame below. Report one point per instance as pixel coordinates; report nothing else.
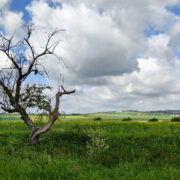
(53, 116)
(33, 140)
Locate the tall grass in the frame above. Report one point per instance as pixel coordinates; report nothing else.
(135, 151)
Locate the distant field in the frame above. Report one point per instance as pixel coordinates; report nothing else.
(92, 150)
(118, 116)
(133, 115)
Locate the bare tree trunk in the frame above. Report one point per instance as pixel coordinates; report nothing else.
(34, 135)
(53, 116)
(33, 140)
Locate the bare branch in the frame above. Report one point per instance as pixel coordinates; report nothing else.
(8, 110)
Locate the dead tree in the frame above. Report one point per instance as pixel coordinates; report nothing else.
(16, 94)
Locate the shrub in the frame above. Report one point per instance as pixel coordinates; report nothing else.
(127, 119)
(97, 142)
(97, 119)
(153, 120)
(175, 119)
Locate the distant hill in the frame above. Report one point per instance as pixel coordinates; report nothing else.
(165, 111)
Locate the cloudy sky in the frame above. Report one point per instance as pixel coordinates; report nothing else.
(117, 54)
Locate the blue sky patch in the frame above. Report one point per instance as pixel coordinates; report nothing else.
(55, 4)
(20, 6)
(177, 53)
(150, 31)
(101, 10)
(174, 9)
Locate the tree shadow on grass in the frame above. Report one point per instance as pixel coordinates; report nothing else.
(74, 143)
(64, 142)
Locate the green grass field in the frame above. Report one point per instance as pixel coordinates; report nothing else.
(87, 149)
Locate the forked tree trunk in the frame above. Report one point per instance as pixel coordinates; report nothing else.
(53, 116)
(33, 140)
(34, 135)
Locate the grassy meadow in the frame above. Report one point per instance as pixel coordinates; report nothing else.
(80, 148)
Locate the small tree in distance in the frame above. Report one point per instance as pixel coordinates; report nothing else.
(16, 94)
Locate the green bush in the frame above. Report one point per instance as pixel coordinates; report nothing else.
(153, 120)
(127, 119)
(97, 119)
(175, 119)
(97, 142)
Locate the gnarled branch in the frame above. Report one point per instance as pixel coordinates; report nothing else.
(53, 115)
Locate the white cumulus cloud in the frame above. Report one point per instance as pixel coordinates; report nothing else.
(117, 54)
